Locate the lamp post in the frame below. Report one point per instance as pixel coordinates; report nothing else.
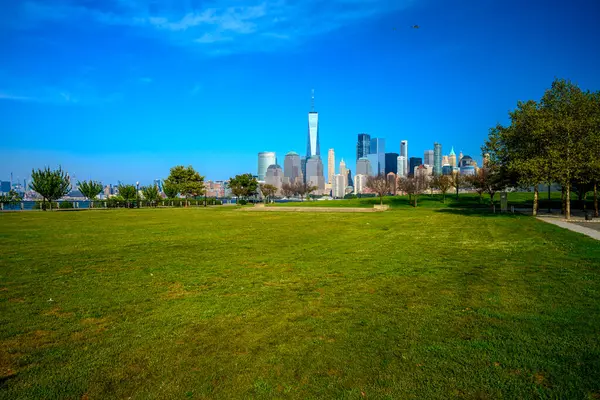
(137, 193)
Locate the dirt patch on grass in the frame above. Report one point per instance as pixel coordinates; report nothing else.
(176, 290)
(17, 300)
(56, 312)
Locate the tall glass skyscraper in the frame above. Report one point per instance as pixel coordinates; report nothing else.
(437, 159)
(404, 153)
(363, 146)
(312, 145)
(414, 162)
(391, 163)
(428, 157)
(378, 148)
(265, 158)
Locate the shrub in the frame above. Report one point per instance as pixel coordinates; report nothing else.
(242, 202)
(65, 204)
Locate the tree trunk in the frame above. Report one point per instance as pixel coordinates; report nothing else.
(596, 200)
(456, 192)
(568, 202)
(380, 199)
(581, 199)
(416, 201)
(562, 200)
(535, 200)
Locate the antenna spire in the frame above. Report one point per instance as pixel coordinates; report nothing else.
(312, 100)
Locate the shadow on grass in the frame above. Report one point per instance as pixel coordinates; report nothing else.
(479, 212)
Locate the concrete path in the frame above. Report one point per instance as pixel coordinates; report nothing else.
(573, 227)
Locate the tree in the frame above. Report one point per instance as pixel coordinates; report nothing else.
(51, 185)
(414, 186)
(151, 193)
(11, 198)
(380, 185)
(188, 182)
(569, 120)
(171, 190)
(90, 189)
(243, 186)
(303, 189)
(477, 181)
(128, 193)
(457, 181)
(287, 189)
(268, 191)
(443, 183)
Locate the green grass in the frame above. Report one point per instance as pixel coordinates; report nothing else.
(465, 200)
(219, 303)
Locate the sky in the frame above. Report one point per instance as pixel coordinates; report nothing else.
(122, 90)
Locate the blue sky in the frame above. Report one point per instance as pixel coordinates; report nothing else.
(124, 89)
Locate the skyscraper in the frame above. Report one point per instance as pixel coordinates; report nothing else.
(437, 158)
(445, 161)
(344, 173)
(404, 153)
(274, 176)
(428, 157)
(349, 180)
(401, 165)
(292, 169)
(312, 145)
(330, 166)
(363, 167)
(338, 189)
(414, 162)
(377, 147)
(391, 163)
(363, 145)
(314, 173)
(303, 167)
(360, 182)
(452, 158)
(265, 159)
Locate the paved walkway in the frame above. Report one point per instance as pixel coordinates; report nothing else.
(593, 233)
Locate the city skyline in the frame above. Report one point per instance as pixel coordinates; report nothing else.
(152, 87)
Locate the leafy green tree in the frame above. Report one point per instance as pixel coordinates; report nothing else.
(51, 185)
(188, 182)
(268, 191)
(243, 186)
(171, 190)
(90, 189)
(11, 198)
(151, 193)
(128, 193)
(569, 120)
(457, 181)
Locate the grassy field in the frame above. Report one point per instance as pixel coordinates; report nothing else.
(465, 200)
(218, 303)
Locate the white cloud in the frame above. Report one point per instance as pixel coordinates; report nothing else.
(251, 26)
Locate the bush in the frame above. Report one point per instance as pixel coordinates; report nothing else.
(65, 204)
(350, 196)
(49, 206)
(242, 202)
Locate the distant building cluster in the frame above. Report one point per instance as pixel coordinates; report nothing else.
(371, 160)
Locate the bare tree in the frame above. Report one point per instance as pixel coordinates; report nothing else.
(457, 181)
(287, 189)
(268, 191)
(304, 189)
(414, 186)
(443, 183)
(380, 185)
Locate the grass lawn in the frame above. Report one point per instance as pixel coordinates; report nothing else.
(465, 200)
(218, 303)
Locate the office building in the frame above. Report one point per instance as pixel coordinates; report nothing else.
(377, 163)
(467, 170)
(391, 163)
(414, 162)
(460, 156)
(400, 165)
(292, 168)
(303, 167)
(466, 161)
(363, 167)
(404, 153)
(437, 159)
(360, 183)
(312, 143)
(428, 157)
(5, 187)
(447, 169)
(445, 160)
(344, 172)
(314, 173)
(452, 158)
(265, 159)
(392, 181)
(274, 176)
(349, 181)
(363, 145)
(338, 189)
(330, 166)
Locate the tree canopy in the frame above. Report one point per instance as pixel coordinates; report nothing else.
(243, 186)
(187, 181)
(50, 184)
(90, 189)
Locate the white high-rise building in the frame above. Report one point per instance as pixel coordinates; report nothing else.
(360, 183)
(344, 172)
(312, 145)
(274, 176)
(363, 167)
(404, 153)
(401, 166)
(265, 159)
(338, 188)
(330, 166)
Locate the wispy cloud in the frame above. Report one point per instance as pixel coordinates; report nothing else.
(49, 95)
(219, 28)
